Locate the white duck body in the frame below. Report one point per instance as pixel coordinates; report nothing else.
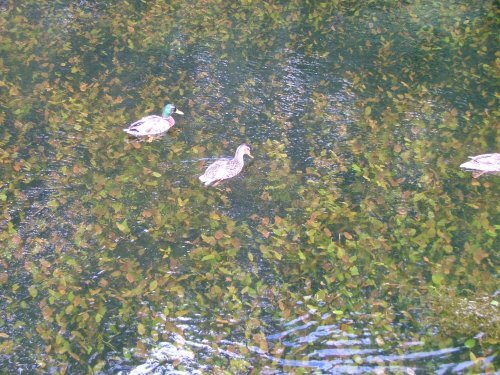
(485, 163)
(153, 125)
(225, 168)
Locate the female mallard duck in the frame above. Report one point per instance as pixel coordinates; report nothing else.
(225, 168)
(153, 125)
(485, 163)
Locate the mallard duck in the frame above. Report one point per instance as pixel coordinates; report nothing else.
(485, 163)
(152, 125)
(225, 168)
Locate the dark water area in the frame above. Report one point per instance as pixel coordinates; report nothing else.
(352, 243)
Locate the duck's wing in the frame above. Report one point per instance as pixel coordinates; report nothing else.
(492, 160)
(219, 170)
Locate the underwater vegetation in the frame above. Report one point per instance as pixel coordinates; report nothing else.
(351, 243)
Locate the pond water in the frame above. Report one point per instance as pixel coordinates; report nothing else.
(352, 242)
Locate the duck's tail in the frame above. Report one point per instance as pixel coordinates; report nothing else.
(205, 180)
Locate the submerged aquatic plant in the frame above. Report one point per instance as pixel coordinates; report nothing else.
(360, 112)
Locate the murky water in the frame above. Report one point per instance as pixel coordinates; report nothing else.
(352, 243)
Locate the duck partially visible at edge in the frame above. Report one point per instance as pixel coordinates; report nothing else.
(481, 164)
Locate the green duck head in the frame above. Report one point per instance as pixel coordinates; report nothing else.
(170, 109)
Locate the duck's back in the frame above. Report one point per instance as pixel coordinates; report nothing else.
(220, 170)
(149, 125)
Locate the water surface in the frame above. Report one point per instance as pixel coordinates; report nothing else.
(352, 243)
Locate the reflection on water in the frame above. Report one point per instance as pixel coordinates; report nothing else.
(335, 352)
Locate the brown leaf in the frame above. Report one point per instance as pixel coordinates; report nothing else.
(347, 235)
(479, 255)
(17, 166)
(235, 241)
(260, 339)
(130, 278)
